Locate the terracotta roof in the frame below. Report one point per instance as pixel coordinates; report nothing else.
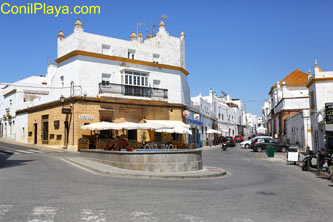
(296, 78)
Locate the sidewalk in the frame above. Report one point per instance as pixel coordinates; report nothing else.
(205, 173)
(33, 145)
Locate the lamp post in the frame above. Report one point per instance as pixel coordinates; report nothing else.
(62, 99)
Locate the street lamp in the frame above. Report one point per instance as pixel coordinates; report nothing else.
(62, 99)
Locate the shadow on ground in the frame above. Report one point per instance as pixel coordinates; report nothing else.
(5, 163)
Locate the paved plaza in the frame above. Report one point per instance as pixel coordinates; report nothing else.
(37, 185)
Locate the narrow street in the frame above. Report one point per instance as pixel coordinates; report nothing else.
(36, 185)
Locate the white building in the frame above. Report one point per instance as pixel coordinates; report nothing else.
(320, 87)
(203, 111)
(222, 113)
(108, 74)
(286, 98)
(298, 131)
(19, 95)
(158, 63)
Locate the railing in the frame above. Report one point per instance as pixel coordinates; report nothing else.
(127, 90)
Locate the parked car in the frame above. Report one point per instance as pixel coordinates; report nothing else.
(261, 144)
(247, 143)
(230, 141)
(238, 138)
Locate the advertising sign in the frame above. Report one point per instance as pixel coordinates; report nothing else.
(329, 113)
(196, 116)
(186, 113)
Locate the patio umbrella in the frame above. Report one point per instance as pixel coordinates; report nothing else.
(128, 126)
(179, 130)
(154, 126)
(99, 126)
(212, 131)
(169, 123)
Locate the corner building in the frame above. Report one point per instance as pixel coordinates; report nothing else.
(100, 78)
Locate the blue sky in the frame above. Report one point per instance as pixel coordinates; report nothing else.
(241, 47)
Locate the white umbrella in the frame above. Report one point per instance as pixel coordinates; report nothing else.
(179, 130)
(212, 131)
(170, 123)
(99, 126)
(154, 126)
(128, 126)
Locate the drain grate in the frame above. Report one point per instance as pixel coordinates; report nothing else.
(266, 193)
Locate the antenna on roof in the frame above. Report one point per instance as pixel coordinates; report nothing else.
(223, 93)
(152, 30)
(138, 27)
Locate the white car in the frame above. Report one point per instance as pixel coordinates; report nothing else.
(247, 144)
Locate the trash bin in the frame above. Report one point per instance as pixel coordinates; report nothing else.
(270, 151)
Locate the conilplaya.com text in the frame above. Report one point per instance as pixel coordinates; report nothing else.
(34, 8)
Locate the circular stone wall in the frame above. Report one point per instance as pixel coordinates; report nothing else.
(147, 160)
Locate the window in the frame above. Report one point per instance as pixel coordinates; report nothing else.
(156, 58)
(106, 49)
(131, 54)
(56, 124)
(62, 80)
(157, 83)
(106, 78)
(136, 78)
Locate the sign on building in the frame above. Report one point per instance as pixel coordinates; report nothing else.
(196, 116)
(86, 117)
(329, 113)
(186, 113)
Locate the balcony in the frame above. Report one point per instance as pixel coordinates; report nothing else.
(126, 90)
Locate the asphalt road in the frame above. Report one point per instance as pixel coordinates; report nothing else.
(36, 185)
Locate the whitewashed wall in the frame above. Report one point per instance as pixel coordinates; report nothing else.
(298, 129)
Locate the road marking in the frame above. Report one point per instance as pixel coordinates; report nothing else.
(143, 216)
(4, 210)
(42, 214)
(93, 215)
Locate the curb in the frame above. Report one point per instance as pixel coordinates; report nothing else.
(33, 146)
(206, 173)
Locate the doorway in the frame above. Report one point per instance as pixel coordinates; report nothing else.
(35, 133)
(66, 134)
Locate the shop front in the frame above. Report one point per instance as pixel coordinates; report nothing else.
(58, 124)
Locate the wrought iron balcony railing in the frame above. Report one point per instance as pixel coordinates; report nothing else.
(126, 90)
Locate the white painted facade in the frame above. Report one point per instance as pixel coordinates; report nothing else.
(321, 92)
(87, 73)
(227, 113)
(283, 100)
(20, 95)
(298, 130)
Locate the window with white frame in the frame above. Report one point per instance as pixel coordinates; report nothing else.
(156, 58)
(106, 78)
(131, 54)
(157, 83)
(136, 78)
(106, 49)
